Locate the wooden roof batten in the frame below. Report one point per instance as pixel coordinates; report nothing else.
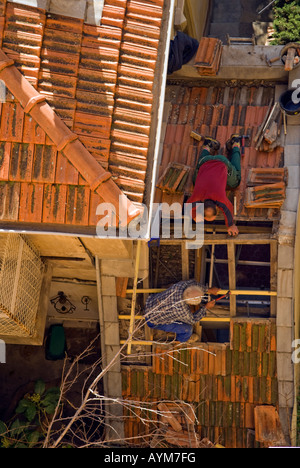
(66, 141)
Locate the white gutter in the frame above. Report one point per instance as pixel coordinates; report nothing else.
(160, 118)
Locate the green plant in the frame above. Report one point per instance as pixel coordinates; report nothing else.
(29, 423)
(286, 22)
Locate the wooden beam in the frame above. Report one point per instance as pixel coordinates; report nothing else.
(273, 276)
(259, 238)
(232, 276)
(236, 292)
(185, 270)
(134, 292)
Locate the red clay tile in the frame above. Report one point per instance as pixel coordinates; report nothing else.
(97, 103)
(12, 117)
(65, 172)
(95, 200)
(93, 34)
(31, 202)
(126, 160)
(63, 107)
(44, 163)
(64, 23)
(92, 125)
(149, 53)
(32, 132)
(96, 81)
(21, 158)
(5, 148)
(59, 62)
(99, 148)
(9, 201)
(96, 58)
(57, 85)
(77, 205)
(147, 30)
(2, 7)
(130, 138)
(132, 115)
(54, 205)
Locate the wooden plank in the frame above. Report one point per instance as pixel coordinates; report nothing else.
(235, 292)
(268, 430)
(273, 276)
(232, 277)
(185, 262)
(261, 238)
(169, 418)
(133, 299)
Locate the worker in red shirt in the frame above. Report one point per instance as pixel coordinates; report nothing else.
(213, 174)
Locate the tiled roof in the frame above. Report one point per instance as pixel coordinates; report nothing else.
(99, 81)
(223, 382)
(218, 110)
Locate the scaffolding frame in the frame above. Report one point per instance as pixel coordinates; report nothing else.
(210, 239)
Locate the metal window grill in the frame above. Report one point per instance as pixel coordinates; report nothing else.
(20, 284)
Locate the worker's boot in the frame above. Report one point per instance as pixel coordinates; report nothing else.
(211, 145)
(193, 339)
(233, 142)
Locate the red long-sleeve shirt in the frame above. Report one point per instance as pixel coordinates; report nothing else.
(211, 184)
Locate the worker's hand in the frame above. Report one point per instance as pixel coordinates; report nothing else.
(210, 304)
(233, 231)
(214, 291)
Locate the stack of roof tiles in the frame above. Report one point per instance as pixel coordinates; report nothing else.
(218, 111)
(99, 80)
(208, 56)
(222, 382)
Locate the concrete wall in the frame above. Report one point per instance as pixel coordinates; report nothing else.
(88, 10)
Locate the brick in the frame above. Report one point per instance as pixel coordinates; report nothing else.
(111, 333)
(285, 314)
(285, 257)
(291, 200)
(285, 366)
(284, 339)
(110, 312)
(285, 283)
(108, 286)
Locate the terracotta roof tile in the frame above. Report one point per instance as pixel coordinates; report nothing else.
(98, 80)
(97, 103)
(99, 148)
(2, 7)
(12, 117)
(92, 125)
(44, 163)
(218, 111)
(54, 204)
(5, 148)
(31, 202)
(9, 201)
(21, 160)
(65, 172)
(77, 205)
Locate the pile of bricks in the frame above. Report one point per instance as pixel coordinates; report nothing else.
(224, 382)
(208, 56)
